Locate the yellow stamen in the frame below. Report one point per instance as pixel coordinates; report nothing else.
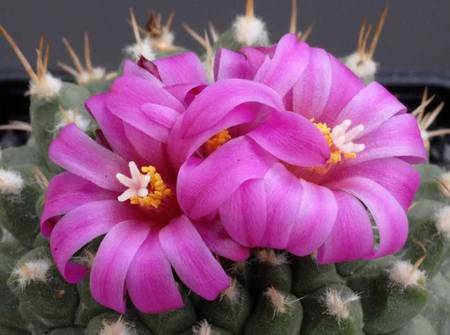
(217, 140)
(158, 190)
(336, 155)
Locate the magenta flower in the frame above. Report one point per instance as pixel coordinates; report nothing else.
(306, 157)
(123, 186)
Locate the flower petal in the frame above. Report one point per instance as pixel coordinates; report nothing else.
(351, 237)
(244, 214)
(181, 69)
(312, 90)
(76, 152)
(65, 192)
(130, 68)
(219, 242)
(112, 261)
(387, 213)
(150, 281)
(80, 226)
(397, 137)
(286, 66)
(215, 101)
(315, 219)
(192, 260)
(283, 194)
(292, 138)
(395, 175)
(229, 64)
(111, 127)
(204, 185)
(185, 92)
(372, 106)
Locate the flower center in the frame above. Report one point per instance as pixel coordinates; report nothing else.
(340, 140)
(146, 189)
(217, 140)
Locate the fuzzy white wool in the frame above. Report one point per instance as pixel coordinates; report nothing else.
(35, 270)
(71, 116)
(45, 88)
(337, 305)
(142, 48)
(443, 221)
(97, 73)
(405, 274)
(118, 327)
(166, 39)
(203, 328)
(363, 68)
(250, 30)
(11, 182)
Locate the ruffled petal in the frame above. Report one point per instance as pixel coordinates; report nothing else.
(339, 94)
(76, 152)
(151, 150)
(112, 261)
(181, 69)
(111, 127)
(244, 214)
(292, 138)
(283, 194)
(219, 99)
(185, 92)
(80, 226)
(397, 137)
(192, 260)
(65, 192)
(219, 242)
(286, 66)
(315, 219)
(395, 175)
(388, 214)
(312, 90)
(229, 64)
(150, 281)
(204, 185)
(351, 237)
(371, 107)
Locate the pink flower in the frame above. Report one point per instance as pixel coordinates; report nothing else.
(124, 186)
(313, 160)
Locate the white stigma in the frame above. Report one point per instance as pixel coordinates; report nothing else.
(406, 275)
(10, 182)
(136, 185)
(364, 68)
(141, 48)
(45, 88)
(250, 30)
(343, 137)
(443, 221)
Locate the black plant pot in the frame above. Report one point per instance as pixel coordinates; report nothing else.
(408, 87)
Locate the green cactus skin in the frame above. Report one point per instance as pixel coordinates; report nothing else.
(231, 311)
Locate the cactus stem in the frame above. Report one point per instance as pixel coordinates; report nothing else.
(11, 182)
(337, 305)
(35, 270)
(443, 221)
(72, 116)
(405, 274)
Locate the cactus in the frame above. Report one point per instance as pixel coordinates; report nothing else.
(273, 293)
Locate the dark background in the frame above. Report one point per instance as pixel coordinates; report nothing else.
(415, 38)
